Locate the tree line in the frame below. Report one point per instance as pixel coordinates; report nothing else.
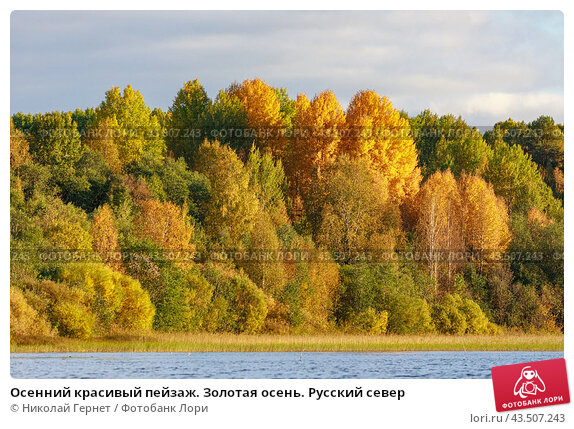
(417, 224)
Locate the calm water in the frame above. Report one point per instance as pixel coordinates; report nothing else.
(267, 365)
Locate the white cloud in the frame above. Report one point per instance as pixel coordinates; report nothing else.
(527, 105)
(485, 66)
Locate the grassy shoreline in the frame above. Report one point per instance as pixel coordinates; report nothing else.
(161, 342)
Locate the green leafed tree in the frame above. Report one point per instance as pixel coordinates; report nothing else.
(55, 140)
(542, 139)
(185, 121)
(267, 179)
(135, 130)
(232, 205)
(225, 121)
(516, 178)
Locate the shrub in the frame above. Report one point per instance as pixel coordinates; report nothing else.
(102, 288)
(371, 321)
(476, 320)
(117, 301)
(425, 323)
(25, 321)
(453, 314)
(447, 316)
(383, 288)
(136, 311)
(198, 294)
(214, 320)
(239, 303)
(73, 320)
(250, 306)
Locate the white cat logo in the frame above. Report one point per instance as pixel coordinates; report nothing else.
(529, 383)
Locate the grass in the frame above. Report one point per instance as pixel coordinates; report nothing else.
(164, 342)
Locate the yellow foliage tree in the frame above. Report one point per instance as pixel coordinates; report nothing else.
(355, 214)
(268, 275)
(73, 319)
(318, 293)
(298, 160)
(438, 225)
(166, 224)
(70, 236)
(376, 131)
(105, 237)
(101, 139)
(136, 130)
(19, 147)
(484, 217)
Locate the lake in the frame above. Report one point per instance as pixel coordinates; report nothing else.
(267, 365)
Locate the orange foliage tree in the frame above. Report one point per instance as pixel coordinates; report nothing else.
(316, 139)
(263, 114)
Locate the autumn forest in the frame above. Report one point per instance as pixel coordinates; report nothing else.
(257, 213)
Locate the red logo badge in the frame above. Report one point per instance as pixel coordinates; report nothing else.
(528, 385)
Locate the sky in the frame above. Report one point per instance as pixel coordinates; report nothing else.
(486, 66)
